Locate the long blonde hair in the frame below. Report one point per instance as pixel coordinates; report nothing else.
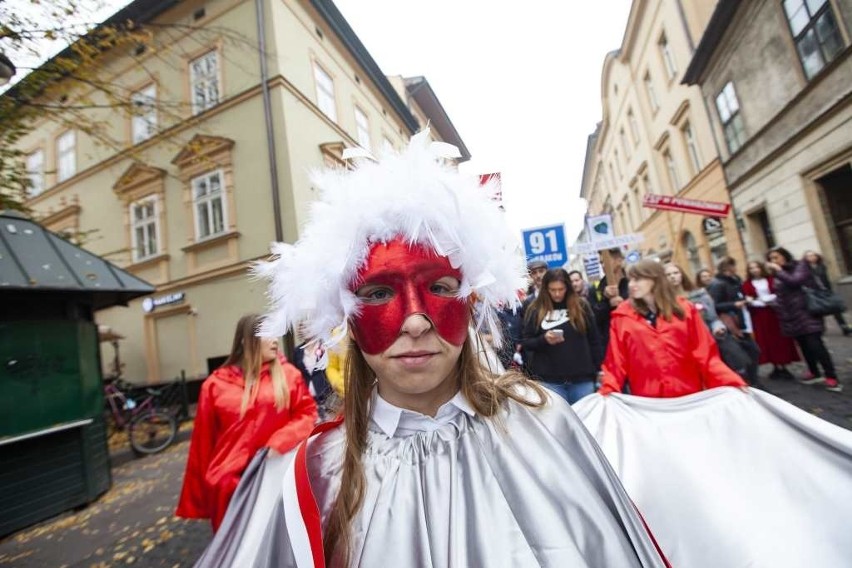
(485, 392)
(246, 354)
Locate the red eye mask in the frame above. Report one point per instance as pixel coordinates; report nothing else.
(406, 274)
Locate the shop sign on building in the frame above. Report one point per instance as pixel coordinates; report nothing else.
(150, 304)
(685, 205)
(712, 226)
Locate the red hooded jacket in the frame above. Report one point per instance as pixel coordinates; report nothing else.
(675, 358)
(223, 444)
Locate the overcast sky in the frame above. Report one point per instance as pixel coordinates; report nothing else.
(520, 81)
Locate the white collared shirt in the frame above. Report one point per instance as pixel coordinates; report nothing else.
(398, 422)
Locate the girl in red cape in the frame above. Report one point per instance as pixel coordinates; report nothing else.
(255, 400)
(660, 343)
(774, 347)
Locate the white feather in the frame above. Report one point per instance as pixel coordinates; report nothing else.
(412, 195)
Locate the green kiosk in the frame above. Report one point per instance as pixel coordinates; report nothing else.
(53, 450)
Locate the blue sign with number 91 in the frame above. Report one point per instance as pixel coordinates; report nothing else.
(547, 244)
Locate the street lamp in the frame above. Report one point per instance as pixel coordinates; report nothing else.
(7, 69)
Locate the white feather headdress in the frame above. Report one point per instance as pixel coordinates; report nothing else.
(412, 195)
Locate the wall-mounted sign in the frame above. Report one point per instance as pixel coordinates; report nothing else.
(150, 304)
(712, 226)
(685, 205)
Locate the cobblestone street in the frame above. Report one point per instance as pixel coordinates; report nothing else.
(133, 524)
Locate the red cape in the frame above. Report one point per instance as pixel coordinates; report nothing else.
(676, 358)
(223, 444)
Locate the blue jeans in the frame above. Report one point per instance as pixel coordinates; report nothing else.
(571, 392)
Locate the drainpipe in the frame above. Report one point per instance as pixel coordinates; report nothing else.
(289, 344)
(270, 128)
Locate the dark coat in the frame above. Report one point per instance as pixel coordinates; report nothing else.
(726, 291)
(602, 308)
(791, 303)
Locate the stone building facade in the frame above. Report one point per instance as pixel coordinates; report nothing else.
(777, 77)
(655, 137)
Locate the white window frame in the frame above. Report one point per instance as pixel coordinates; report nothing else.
(145, 224)
(206, 201)
(143, 122)
(651, 92)
(66, 156)
(326, 100)
(728, 108)
(671, 167)
(207, 80)
(624, 145)
(35, 172)
(668, 57)
(691, 146)
(634, 126)
(362, 129)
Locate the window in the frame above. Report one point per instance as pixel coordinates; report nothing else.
(325, 93)
(617, 161)
(634, 126)
(204, 81)
(815, 32)
(652, 94)
(66, 156)
(362, 125)
(143, 124)
(646, 183)
(612, 176)
(732, 121)
(624, 145)
(387, 145)
(691, 147)
(144, 228)
(668, 57)
(35, 172)
(209, 200)
(674, 178)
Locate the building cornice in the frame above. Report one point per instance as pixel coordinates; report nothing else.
(719, 23)
(343, 30)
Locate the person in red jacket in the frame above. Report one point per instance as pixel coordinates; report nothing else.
(659, 343)
(255, 400)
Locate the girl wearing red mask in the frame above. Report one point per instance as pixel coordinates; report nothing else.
(432, 454)
(255, 400)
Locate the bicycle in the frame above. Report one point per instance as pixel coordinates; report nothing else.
(149, 429)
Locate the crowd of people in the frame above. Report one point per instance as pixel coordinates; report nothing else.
(565, 331)
(430, 449)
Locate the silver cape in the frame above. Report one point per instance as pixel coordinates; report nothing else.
(531, 488)
(733, 479)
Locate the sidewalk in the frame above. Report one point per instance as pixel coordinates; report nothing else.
(830, 406)
(131, 525)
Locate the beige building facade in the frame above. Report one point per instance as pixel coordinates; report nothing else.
(190, 188)
(778, 78)
(655, 137)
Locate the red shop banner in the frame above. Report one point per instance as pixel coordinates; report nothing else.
(685, 205)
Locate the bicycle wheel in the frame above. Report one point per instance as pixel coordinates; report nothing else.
(152, 432)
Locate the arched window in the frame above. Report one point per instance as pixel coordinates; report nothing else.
(692, 258)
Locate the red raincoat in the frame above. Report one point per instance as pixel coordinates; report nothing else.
(676, 358)
(223, 444)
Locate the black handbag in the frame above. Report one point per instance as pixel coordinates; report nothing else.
(822, 302)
